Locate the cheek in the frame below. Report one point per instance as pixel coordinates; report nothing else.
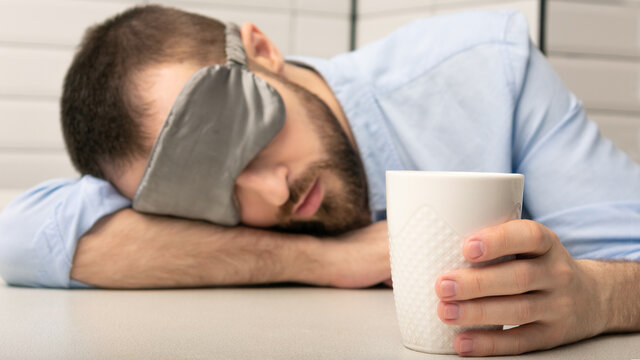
(295, 147)
(298, 145)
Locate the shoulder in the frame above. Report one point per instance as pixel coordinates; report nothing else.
(422, 45)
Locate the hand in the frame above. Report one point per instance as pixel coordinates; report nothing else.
(359, 258)
(553, 297)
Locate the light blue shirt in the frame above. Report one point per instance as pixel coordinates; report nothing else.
(465, 92)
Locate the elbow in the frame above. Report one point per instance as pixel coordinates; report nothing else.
(14, 270)
(20, 260)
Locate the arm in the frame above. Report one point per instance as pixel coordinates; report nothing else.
(41, 230)
(132, 250)
(619, 288)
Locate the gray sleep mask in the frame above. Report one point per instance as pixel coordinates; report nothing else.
(223, 117)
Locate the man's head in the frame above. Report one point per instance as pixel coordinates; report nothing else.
(103, 109)
(125, 78)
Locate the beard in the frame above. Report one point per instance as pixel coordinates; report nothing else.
(340, 211)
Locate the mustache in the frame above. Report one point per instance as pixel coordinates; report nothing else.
(299, 187)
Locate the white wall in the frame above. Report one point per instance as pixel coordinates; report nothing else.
(37, 42)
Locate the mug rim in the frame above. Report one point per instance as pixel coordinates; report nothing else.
(461, 174)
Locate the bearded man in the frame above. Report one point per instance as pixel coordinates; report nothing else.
(208, 159)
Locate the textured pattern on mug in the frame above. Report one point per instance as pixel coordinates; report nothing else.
(424, 248)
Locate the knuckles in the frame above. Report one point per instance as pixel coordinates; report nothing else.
(534, 232)
(563, 274)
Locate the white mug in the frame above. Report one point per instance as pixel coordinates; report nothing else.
(429, 215)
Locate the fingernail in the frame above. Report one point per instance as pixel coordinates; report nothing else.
(451, 311)
(466, 346)
(475, 249)
(448, 288)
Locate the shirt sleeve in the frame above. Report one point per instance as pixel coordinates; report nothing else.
(40, 229)
(576, 181)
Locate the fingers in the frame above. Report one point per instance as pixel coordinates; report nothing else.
(503, 310)
(519, 292)
(507, 278)
(511, 238)
(514, 341)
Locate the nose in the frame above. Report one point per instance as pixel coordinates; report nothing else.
(269, 183)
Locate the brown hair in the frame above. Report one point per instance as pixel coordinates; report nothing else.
(100, 113)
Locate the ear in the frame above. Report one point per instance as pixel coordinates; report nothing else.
(260, 49)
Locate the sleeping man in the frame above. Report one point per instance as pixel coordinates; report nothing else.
(208, 159)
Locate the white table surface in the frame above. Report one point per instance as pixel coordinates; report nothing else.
(229, 323)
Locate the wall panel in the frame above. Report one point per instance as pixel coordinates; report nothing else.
(240, 5)
(601, 84)
(312, 31)
(623, 130)
(588, 28)
(26, 169)
(30, 124)
(385, 7)
(59, 22)
(338, 7)
(33, 72)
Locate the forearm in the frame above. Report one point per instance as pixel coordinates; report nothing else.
(132, 250)
(618, 284)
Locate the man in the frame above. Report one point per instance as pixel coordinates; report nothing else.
(465, 92)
